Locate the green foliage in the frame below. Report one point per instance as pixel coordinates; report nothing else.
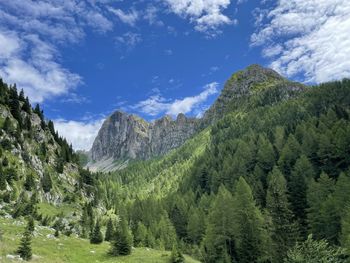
(176, 256)
(25, 249)
(46, 182)
(140, 236)
(250, 237)
(283, 231)
(96, 234)
(109, 230)
(219, 243)
(122, 242)
(312, 251)
(29, 183)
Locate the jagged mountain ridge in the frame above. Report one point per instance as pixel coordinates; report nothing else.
(126, 136)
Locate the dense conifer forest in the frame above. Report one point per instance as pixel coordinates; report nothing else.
(267, 182)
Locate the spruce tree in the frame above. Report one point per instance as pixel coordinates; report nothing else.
(96, 235)
(218, 243)
(283, 230)
(31, 224)
(176, 256)
(25, 250)
(109, 230)
(29, 182)
(250, 236)
(196, 225)
(322, 215)
(302, 173)
(122, 241)
(140, 235)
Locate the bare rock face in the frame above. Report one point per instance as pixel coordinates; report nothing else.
(125, 136)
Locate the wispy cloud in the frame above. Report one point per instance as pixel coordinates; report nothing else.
(129, 18)
(156, 104)
(306, 38)
(129, 39)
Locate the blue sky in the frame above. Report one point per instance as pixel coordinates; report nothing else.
(82, 60)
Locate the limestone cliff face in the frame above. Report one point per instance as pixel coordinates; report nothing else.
(125, 136)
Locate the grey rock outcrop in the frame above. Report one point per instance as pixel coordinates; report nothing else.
(126, 136)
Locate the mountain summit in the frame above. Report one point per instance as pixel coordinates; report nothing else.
(126, 136)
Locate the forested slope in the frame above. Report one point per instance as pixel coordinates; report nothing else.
(274, 170)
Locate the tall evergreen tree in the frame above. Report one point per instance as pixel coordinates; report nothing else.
(283, 232)
(218, 242)
(109, 230)
(322, 215)
(302, 173)
(250, 236)
(25, 249)
(122, 242)
(141, 235)
(96, 235)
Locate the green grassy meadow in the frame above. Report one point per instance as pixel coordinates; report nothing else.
(47, 249)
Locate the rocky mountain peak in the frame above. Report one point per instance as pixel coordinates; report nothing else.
(126, 136)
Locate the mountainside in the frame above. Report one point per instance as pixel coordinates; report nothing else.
(38, 169)
(126, 136)
(267, 182)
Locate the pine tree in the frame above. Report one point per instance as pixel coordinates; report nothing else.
(29, 182)
(96, 235)
(322, 215)
(31, 224)
(166, 232)
(109, 230)
(25, 250)
(140, 235)
(122, 242)
(283, 230)
(46, 182)
(250, 236)
(218, 242)
(176, 256)
(312, 251)
(289, 155)
(196, 225)
(265, 155)
(302, 173)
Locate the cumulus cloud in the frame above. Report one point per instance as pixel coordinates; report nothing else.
(31, 34)
(206, 14)
(157, 104)
(306, 38)
(81, 134)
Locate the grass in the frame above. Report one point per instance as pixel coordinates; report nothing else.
(47, 209)
(47, 249)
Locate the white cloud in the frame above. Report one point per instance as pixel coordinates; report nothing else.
(81, 134)
(31, 35)
(306, 38)
(157, 104)
(129, 39)
(206, 14)
(127, 18)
